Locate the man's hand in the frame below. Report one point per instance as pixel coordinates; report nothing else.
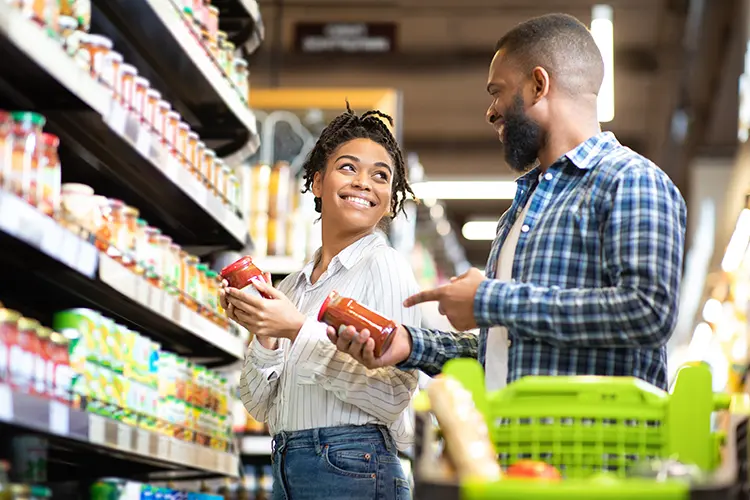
(361, 347)
(455, 299)
(276, 317)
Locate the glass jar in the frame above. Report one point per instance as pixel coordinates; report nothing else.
(228, 67)
(140, 87)
(200, 149)
(207, 167)
(77, 206)
(6, 157)
(182, 286)
(212, 22)
(190, 150)
(224, 184)
(170, 128)
(183, 130)
(233, 191)
(117, 229)
(127, 235)
(48, 187)
(110, 74)
(67, 26)
(63, 374)
(241, 77)
(26, 139)
(175, 263)
(8, 333)
(241, 274)
(221, 40)
(141, 247)
(162, 248)
(22, 355)
(101, 223)
(43, 381)
(93, 49)
(151, 107)
(153, 261)
(212, 291)
(218, 180)
(128, 74)
(192, 282)
(202, 285)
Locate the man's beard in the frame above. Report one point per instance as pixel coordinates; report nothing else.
(522, 137)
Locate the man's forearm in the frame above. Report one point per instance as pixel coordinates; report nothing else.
(431, 349)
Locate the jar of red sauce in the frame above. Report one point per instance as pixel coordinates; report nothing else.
(337, 311)
(43, 371)
(26, 143)
(24, 349)
(241, 274)
(8, 333)
(59, 358)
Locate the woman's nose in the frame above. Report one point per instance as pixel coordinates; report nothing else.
(361, 182)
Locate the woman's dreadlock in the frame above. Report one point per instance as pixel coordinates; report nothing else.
(348, 126)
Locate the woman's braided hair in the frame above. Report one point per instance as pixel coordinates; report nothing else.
(348, 126)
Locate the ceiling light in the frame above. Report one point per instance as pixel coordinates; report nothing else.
(479, 230)
(465, 190)
(602, 29)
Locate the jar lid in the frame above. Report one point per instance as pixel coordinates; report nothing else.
(128, 68)
(100, 40)
(59, 339)
(43, 332)
(213, 9)
(202, 268)
(67, 22)
(201, 145)
(210, 152)
(226, 168)
(9, 315)
(114, 56)
(50, 140)
(326, 303)
(164, 104)
(245, 261)
(132, 211)
(28, 116)
(188, 10)
(221, 34)
(154, 230)
(192, 135)
(139, 80)
(173, 114)
(76, 188)
(219, 162)
(141, 222)
(174, 246)
(240, 62)
(183, 125)
(25, 323)
(153, 93)
(115, 203)
(165, 239)
(212, 274)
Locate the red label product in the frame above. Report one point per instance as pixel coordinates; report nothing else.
(242, 273)
(337, 311)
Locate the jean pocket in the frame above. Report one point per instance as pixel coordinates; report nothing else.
(358, 463)
(403, 489)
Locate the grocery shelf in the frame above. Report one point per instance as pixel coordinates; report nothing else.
(35, 249)
(181, 68)
(255, 445)
(279, 265)
(103, 146)
(103, 436)
(242, 21)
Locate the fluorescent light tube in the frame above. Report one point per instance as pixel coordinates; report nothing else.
(465, 190)
(602, 29)
(479, 230)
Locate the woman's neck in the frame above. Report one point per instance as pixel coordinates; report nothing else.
(334, 241)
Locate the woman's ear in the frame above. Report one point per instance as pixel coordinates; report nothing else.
(317, 185)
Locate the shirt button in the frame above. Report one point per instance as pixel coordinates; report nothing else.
(525, 228)
(548, 176)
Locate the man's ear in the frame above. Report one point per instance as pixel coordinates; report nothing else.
(540, 82)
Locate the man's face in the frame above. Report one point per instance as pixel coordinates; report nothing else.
(521, 136)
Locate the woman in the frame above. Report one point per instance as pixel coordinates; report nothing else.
(336, 424)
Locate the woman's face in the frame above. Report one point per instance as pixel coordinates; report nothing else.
(355, 189)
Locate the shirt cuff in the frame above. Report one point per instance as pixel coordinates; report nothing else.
(263, 357)
(489, 303)
(417, 349)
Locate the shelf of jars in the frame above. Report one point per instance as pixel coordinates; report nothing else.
(178, 46)
(114, 132)
(109, 260)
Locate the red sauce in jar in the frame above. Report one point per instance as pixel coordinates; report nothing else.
(8, 332)
(59, 356)
(337, 311)
(242, 273)
(24, 349)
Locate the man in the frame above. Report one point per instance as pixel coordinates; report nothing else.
(584, 273)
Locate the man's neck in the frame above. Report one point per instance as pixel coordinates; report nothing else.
(566, 135)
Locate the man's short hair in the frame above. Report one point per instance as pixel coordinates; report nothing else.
(563, 46)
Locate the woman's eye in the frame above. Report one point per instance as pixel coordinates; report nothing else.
(347, 166)
(382, 175)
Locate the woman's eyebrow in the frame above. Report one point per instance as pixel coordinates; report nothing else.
(348, 157)
(377, 163)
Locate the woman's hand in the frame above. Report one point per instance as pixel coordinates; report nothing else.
(266, 318)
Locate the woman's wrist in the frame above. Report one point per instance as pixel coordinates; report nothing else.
(269, 343)
(295, 326)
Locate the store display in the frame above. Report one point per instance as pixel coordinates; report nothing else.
(338, 311)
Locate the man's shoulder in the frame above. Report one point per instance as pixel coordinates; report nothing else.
(621, 162)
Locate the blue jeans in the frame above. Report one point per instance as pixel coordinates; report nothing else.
(338, 463)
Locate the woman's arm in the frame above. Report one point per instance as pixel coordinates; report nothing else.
(259, 381)
(383, 392)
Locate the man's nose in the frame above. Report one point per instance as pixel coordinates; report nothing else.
(491, 115)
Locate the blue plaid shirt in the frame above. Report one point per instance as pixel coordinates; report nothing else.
(596, 273)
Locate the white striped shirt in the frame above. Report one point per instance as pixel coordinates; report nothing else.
(309, 384)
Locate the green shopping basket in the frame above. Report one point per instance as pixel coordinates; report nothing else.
(594, 429)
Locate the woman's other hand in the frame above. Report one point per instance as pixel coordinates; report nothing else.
(276, 317)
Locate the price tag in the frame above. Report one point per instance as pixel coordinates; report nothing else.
(68, 251)
(142, 292)
(124, 436)
(162, 449)
(168, 306)
(96, 429)
(132, 128)
(52, 241)
(59, 418)
(155, 299)
(171, 168)
(6, 403)
(87, 261)
(117, 118)
(31, 225)
(143, 144)
(142, 441)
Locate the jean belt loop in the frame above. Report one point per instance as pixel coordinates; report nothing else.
(389, 444)
(316, 441)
